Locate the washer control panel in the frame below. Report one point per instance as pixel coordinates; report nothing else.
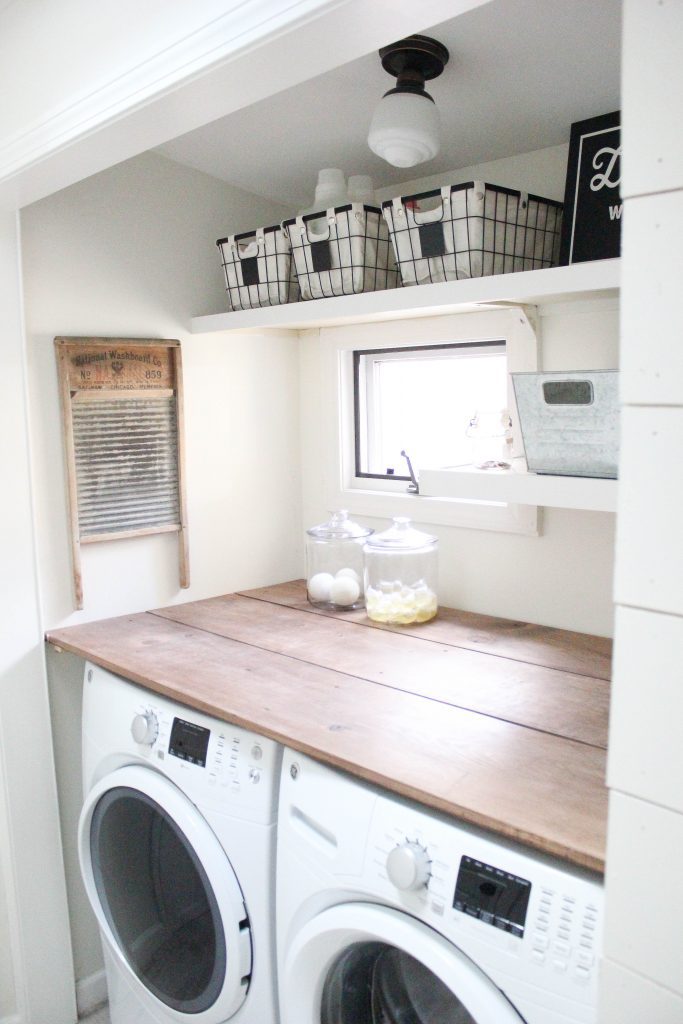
(218, 764)
(189, 742)
(492, 895)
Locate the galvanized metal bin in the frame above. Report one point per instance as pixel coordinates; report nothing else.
(569, 422)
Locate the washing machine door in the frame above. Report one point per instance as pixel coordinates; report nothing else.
(166, 897)
(360, 963)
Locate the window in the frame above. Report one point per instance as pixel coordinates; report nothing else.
(420, 400)
(342, 474)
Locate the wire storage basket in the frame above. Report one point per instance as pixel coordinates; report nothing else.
(472, 230)
(258, 269)
(342, 251)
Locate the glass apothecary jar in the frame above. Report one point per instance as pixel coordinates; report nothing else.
(401, 574)
(334, 563)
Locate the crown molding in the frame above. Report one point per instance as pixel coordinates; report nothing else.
(244, 26)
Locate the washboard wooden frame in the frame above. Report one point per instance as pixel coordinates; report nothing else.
(123, 425)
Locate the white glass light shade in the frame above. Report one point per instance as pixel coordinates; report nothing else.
(405, 129)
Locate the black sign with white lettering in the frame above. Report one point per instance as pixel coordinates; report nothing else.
(591, 224)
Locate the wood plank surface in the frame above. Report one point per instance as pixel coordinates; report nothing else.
(543, 790)
(521, 641)
(561, 703)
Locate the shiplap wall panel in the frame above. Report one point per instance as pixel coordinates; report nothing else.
(646, 746)
(652, 97)
(644, 925)
(651, 310)
(649, 533)
(629, 998)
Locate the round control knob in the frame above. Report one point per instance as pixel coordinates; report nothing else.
(145, 728)
(408, 866)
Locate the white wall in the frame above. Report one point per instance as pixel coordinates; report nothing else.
(642, 978)
(563, 577)
(131, 252)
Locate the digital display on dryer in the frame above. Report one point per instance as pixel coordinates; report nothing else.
(492, 895)
(189, 742)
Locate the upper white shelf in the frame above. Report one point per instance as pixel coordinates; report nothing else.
(519, 486)
(530, 287)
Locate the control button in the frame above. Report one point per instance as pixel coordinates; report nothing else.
(544, 918)
(568, 899)
(563, 933)
(542, 926)
(589, 926)
(516, 929)
(408, 866)
(582, 973)
(540, 942)
(538, 956)
(560, 965)
(145, 728)
(566, 917)
(438, 908)
(255, 775)
(585, 959)
(563, 948)
(586, 941)
(212, 780)
(256, 752)
(486, 916)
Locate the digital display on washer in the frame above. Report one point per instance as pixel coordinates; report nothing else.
(189, 742)
(493, 896)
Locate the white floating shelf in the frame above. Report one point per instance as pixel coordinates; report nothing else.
(530, 287)
(520, 487)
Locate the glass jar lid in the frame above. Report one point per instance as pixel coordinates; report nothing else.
(401, 536)
(339, 527)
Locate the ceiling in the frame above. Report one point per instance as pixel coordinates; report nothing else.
(520, 73)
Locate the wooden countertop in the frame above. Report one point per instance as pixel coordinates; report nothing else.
(498, 723)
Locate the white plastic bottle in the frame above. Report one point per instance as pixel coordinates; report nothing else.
(361, 189)
(330, 191)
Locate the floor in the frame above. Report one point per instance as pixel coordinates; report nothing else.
(100, 1016)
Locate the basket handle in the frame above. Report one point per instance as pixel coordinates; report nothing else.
(429, 216)
(245, 250)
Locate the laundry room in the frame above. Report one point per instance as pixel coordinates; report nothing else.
(115, 239)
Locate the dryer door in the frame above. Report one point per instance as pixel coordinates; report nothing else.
(165, 895)
(360, 963)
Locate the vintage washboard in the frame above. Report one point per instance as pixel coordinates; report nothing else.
(122, 413)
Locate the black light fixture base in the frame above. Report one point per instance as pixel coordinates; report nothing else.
(413, 57)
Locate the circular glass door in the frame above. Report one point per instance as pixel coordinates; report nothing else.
(374, 983)
(170, 907)
(360, 963)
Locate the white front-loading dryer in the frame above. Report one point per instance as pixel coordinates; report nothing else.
(177, 853)
(388, 913)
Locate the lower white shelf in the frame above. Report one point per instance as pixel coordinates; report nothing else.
(520, 487)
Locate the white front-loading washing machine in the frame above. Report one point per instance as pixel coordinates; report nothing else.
(388, 913)
(177, 852)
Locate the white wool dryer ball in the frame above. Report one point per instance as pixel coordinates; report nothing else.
(344, 591)
(319, 586)
(348, 572)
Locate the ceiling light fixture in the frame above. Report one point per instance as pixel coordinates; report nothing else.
(405, 126)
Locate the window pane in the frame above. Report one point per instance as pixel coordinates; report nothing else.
(422, 401)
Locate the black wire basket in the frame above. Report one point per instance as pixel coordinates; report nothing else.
(258, 270)
(472, 230)
(342, 251)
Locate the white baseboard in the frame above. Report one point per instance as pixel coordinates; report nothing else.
(91, 992)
